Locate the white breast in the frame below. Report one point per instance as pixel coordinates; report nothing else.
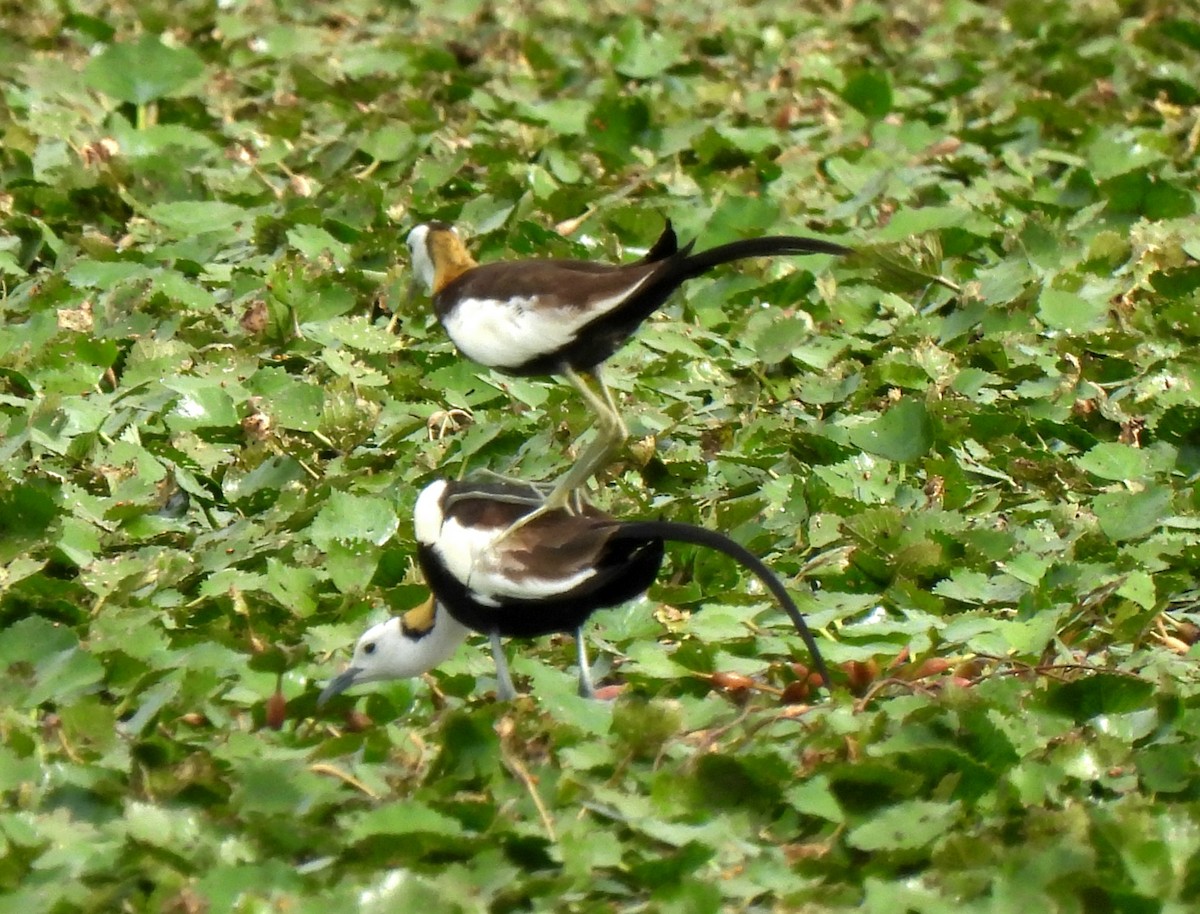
(512, 332)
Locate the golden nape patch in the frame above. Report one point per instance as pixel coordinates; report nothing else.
(419, 619)
(449, 256)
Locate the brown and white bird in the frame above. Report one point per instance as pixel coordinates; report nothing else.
(545, 317)
(544, 577)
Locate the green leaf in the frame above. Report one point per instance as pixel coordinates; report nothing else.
(16, 773)
(1064, 310)
(1100, 693)
(32, 640)
(347, 518)
(869, 91)
(142, 71)
(201, 404)
(909, 222)
(389, 143)
(906, 826)
(92, 274)
(904, 433)
(392, 819)
(1132, 515)
(190, 217)
(351, 563)
(268, 478)
(815, 798)
(316, 244)
(60, 676)
(293, 402)
(1112, 460)
(777, 340)
(1166, 769)
(639, 55)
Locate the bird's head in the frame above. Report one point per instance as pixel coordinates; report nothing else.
(439, 255)
(399, 648)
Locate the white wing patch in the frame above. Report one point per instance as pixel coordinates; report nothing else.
(515, 331)
(468, 555)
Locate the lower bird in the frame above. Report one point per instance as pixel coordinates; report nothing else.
(545, 317)
(547, 576)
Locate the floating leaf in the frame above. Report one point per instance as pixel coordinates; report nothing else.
(402, 819)
(142, 71)
(641, 55)
(1111, 460)
(189, 217)
(905, 826)
(346, 518)
(1067, 311)
(1132, 515)
(870, 91)
(903, 433)
(1100, 693)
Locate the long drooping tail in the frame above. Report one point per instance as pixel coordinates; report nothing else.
(699, 536)
(771, 246)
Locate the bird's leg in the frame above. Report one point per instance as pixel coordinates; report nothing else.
(533, 496)
(586, 689)
(610, 434)
(505, 691)
(485, 474)
(504, 498)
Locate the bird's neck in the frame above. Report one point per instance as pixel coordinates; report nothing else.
(419, 652)
(450, 260)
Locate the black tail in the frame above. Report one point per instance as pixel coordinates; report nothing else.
(665, 247)
(695, 264)
(699, 536)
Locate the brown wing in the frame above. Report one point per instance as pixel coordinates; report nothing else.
(558, 545)
(483, 512)
(553, 283)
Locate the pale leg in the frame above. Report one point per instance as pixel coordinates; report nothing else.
(586, 688)
(505, 691)
(610, 435)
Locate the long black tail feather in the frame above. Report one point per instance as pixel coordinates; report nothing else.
(770, 246)
(699, 536)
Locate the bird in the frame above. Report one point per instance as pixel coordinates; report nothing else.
(548, 576)
(536, 317)
(400, 647)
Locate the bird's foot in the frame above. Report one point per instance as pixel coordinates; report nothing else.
(553, 502)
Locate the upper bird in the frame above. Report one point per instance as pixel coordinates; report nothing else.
(548, 576)
(542, 316)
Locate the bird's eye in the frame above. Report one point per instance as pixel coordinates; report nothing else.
(369, 648)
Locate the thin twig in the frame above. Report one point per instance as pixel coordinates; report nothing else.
(515, 766)
(323, 768)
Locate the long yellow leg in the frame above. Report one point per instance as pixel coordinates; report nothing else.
(610, 435)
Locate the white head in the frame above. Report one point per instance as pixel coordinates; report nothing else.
(393, 650)
(418, 249)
